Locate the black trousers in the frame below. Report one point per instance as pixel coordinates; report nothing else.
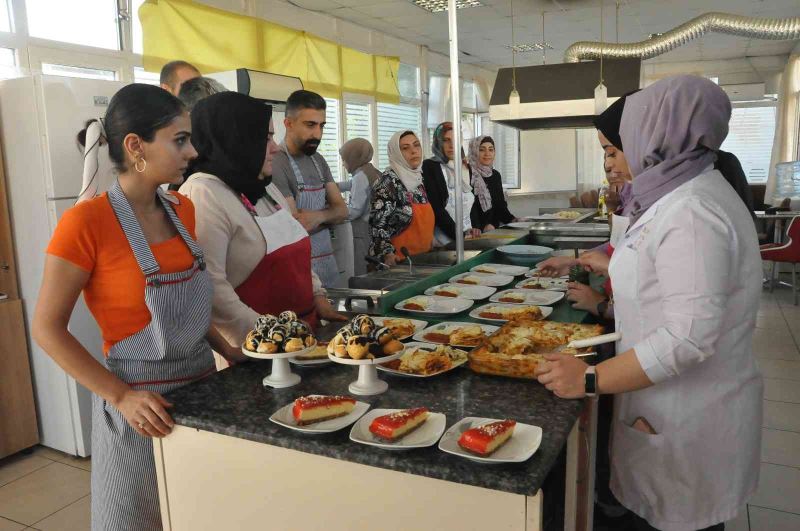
(640, 524)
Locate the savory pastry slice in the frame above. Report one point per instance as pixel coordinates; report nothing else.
(400, 327)
(485, 440)
(467, 336)
(486, 269)
(419, 304)
(447, 291)
(319, 352)
(469, 279)
(316, 408)
(513, 297)
(395, 425)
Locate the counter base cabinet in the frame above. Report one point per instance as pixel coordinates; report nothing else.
(212, 481)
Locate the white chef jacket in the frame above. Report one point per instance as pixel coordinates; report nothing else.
(687, 285)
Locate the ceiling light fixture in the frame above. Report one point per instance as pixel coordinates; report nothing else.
(437, 6)
(513, 96)
(600, 91)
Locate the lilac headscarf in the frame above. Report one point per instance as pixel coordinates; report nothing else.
(670, 131)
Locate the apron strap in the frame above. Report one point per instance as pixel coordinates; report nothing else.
(298, 175)
(133, 232)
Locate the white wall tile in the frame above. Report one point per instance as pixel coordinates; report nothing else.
(762, 519)
(778, 488)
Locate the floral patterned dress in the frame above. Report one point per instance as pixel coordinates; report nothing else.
(391, 212)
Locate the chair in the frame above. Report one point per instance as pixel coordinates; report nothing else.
(787, 252)
(574, 202)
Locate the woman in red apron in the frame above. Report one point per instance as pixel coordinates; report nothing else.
(133, 254)
(401, 215)
(258, 255)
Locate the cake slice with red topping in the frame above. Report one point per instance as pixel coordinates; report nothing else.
(316, 408)
(398, 424)
(484, 440)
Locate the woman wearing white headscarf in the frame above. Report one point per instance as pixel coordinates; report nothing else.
(686, 433)
(357, 155)
(401, 216)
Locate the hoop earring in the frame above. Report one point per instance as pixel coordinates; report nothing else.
(136, 165)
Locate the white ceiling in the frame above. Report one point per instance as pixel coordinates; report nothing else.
(484, 31)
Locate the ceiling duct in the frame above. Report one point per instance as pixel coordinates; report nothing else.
(755, 28)
(559, 95)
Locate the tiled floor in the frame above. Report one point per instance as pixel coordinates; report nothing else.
(47, 490)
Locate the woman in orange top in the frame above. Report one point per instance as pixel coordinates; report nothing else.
(401, 215)
(133, 253)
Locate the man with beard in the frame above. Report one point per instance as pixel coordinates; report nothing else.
(303, 176)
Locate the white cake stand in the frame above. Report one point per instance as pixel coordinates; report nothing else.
(281, 375)
(368, 382)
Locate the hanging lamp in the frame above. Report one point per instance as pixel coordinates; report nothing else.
(513, 97)
(600, 91)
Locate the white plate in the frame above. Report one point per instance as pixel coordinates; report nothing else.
(600, 218)
(546, 311)
(425, 345)
(376, 361)
(437, 305)
(484, 279)
(285, 418)
(532, 296)
(549, 284)
(466, 291)
(418, 325)
(503, 269)
(425, 435)
(310, 363)
(521, 224)
(520, 447)
(277, 355)
(420, 336)
(525, 251)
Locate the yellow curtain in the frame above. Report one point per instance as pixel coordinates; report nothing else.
(215, 40)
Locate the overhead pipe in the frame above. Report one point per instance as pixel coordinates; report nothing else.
(755, 28)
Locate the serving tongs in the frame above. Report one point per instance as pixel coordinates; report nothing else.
(591, 342)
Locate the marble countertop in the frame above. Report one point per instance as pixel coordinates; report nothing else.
(234, 402)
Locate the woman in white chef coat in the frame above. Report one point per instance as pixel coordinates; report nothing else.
(687, 420)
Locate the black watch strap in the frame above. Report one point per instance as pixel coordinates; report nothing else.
(602, 307)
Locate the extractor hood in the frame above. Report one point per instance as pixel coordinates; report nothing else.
(559, 95)
(271, 88)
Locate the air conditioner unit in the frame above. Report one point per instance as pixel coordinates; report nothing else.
(271, 88)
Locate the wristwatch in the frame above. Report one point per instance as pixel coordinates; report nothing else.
(590, 381)
(602, 307)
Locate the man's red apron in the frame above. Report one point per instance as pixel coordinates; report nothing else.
(282, 279)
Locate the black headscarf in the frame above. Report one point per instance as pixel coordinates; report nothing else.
(229, 132)
(608, 121)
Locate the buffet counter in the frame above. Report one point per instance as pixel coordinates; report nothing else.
(227, 466)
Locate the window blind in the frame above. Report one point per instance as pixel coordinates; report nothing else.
(750, 137)
(358, 122)
(329, 146)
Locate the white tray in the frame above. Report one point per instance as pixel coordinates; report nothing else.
(521, 447)
(437, 305)
(285, 418)
(427, 345)
(502, 269)
(532, 296)
(549, 284)
(418, 324)
(546, 311)
(420, 336)
(466, 291)
(425, 435)
(484, 279)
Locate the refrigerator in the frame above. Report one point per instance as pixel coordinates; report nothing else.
(40, 117)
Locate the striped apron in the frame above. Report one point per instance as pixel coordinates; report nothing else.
(323, 261)
(168, 353)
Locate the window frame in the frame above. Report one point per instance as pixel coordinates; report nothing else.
(765, 103)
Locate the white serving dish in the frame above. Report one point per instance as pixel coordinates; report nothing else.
(502, 269)
(549, 284)
(447, 326)
(524, 225)
(285, 418)
(418, 324)
(426, 345)
(484, 279)
(281, 375)
(546, 311)
(425, 435)
(466, 291)
(532, 296)
(437, 305)
(521, 447)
